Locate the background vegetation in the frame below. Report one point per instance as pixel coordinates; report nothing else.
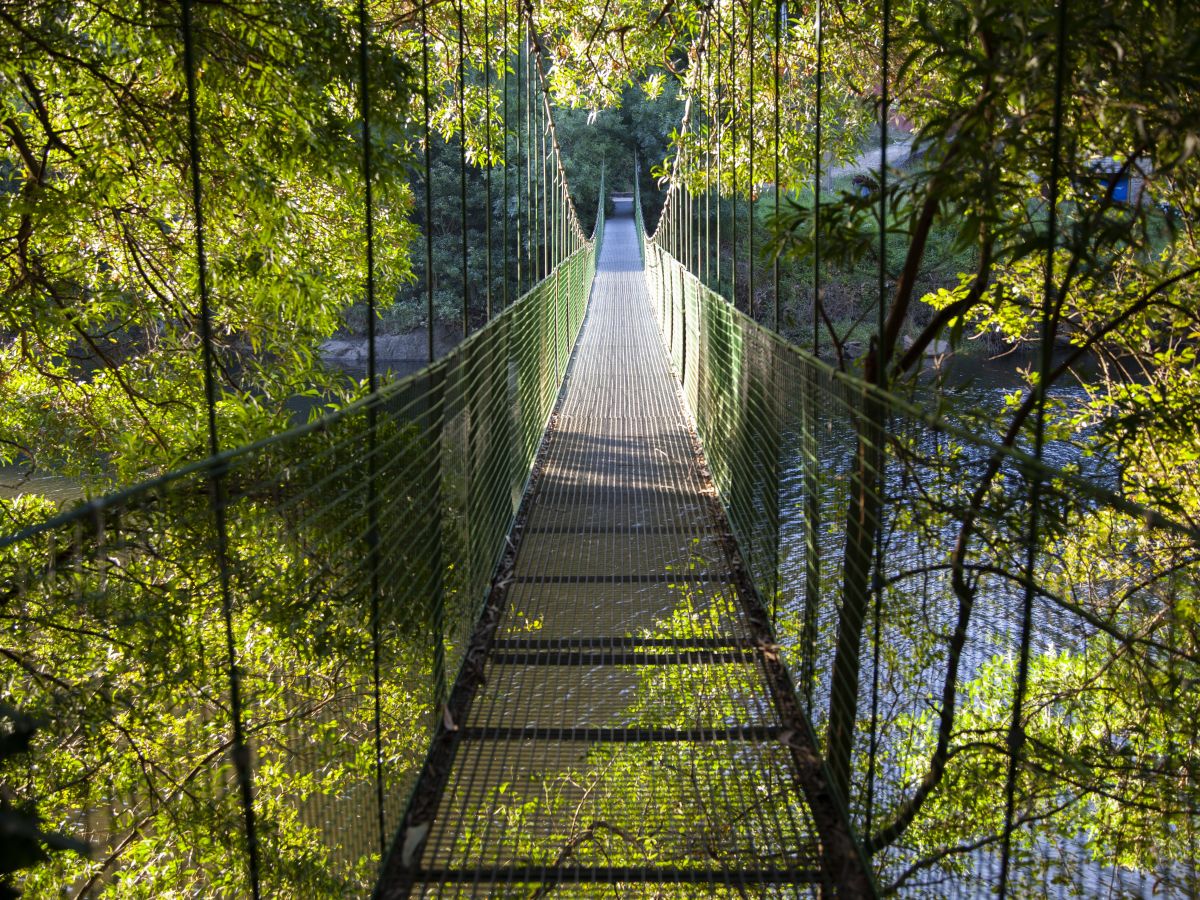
(99, 351)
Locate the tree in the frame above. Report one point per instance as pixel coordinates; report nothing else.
(25, 843)
(96, 232)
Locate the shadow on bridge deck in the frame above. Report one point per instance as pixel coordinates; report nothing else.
(625, 735)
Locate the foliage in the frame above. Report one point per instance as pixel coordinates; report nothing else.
(613, 140)
(116, 640)
(977, 80)
(99, 351)
(25, 843)
(99, 274)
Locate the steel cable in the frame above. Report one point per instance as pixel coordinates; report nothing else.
(239, 751)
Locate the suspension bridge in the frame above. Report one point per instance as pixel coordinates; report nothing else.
(624, 595)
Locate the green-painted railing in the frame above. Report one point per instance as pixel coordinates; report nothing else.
(902, 634)
(114, 644)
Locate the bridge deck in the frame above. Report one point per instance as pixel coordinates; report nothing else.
(625, 740)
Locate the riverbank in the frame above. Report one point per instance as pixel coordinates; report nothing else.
(350, 352)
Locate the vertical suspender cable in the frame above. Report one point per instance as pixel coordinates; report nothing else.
(778, 13)
(562, 198)
(436, 605)
(559, 208)
(557, 179)
(556, 209)
(550, 185)
(216, 481)
(535, 163)
(1016, 734)
(665, 220)
(689, 249)
(530, 201)
(428, 136)
(554, 189)
(706, 73)
(881, 356)
(817, 150)
(751, 22)
(535, 169)
(543, 178)
(720, 141)
(487, 169)
(812, 506)
(666, 217)
(543, 185)
(537, 174)
(733, 141)
(504, 173)
(462, 165)
(520, 190)
(677, 223)
(373, 560)
(697, 230)
(880, 349)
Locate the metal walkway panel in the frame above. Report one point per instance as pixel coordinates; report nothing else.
(623, 740)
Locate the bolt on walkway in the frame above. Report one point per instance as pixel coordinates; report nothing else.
(622, 734)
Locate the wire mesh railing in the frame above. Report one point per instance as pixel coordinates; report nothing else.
(114, 639)
(891, 545)
(223, 681)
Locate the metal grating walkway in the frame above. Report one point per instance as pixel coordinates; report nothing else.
(619, 736)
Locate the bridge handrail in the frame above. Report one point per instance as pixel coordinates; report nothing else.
(114, 618)
(902, 406)
(96, 505)
(779, 427)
